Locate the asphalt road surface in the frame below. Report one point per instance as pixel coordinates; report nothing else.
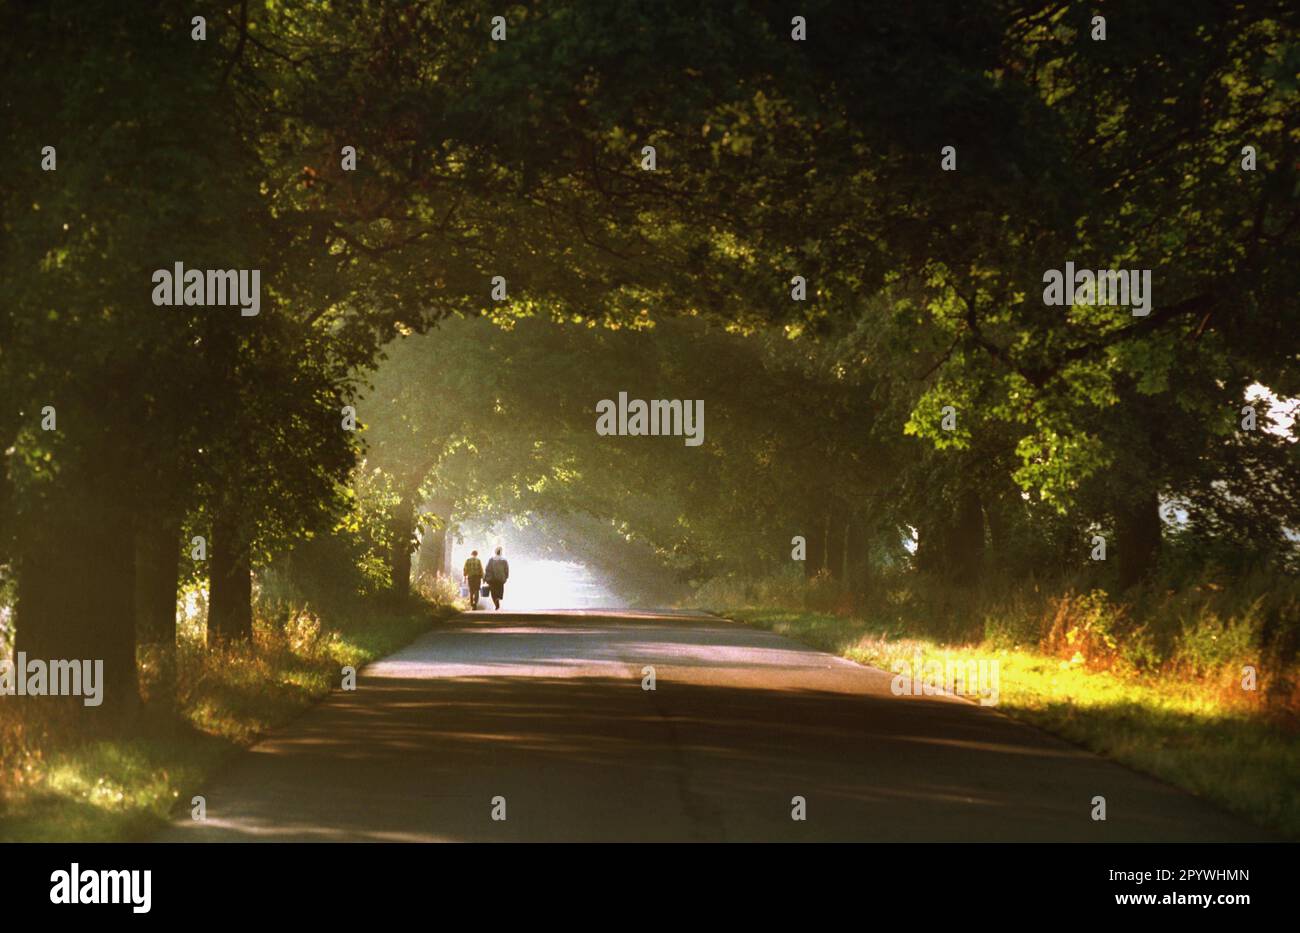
(546, 710)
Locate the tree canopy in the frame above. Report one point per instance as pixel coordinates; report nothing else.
(393, 170)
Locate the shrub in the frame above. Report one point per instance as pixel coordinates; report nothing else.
(1085, 630)
(439, 589)
(1206, 632)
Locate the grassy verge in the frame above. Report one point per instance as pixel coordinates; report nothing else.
(1177, 729)
(54, 787)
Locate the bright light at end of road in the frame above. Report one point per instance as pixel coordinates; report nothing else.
(541, 583)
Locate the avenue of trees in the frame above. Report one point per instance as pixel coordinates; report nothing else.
(917, 384)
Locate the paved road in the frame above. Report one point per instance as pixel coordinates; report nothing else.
(547, 711)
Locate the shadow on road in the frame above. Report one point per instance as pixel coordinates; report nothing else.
(740, 723)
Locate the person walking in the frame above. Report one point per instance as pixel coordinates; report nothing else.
(498, 572)
(474, 574)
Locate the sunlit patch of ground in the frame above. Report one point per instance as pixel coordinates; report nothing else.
(126, 787)
(1174, 729)
(544, 584)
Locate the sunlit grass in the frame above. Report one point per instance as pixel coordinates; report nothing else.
(57, 788)
(1185, 731)
(109, 790)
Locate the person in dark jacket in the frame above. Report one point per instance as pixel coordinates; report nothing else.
(498, 572)
(474, 575)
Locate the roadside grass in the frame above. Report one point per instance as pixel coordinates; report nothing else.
(1186, 731)
(57, 784)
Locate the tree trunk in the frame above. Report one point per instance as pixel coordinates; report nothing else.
(929, 550)
(1000, 505)
(157, 580)
(834, 549)
(402, 535)
(76, 588)
(827, 559)
(1138, 537)
(230, 583)
(815, 551)
(848, 541)
(965, 546)
(433, 555)
(6, 506)
(954, 547)
(858, 548)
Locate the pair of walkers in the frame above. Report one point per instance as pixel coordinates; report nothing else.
(496, 575)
